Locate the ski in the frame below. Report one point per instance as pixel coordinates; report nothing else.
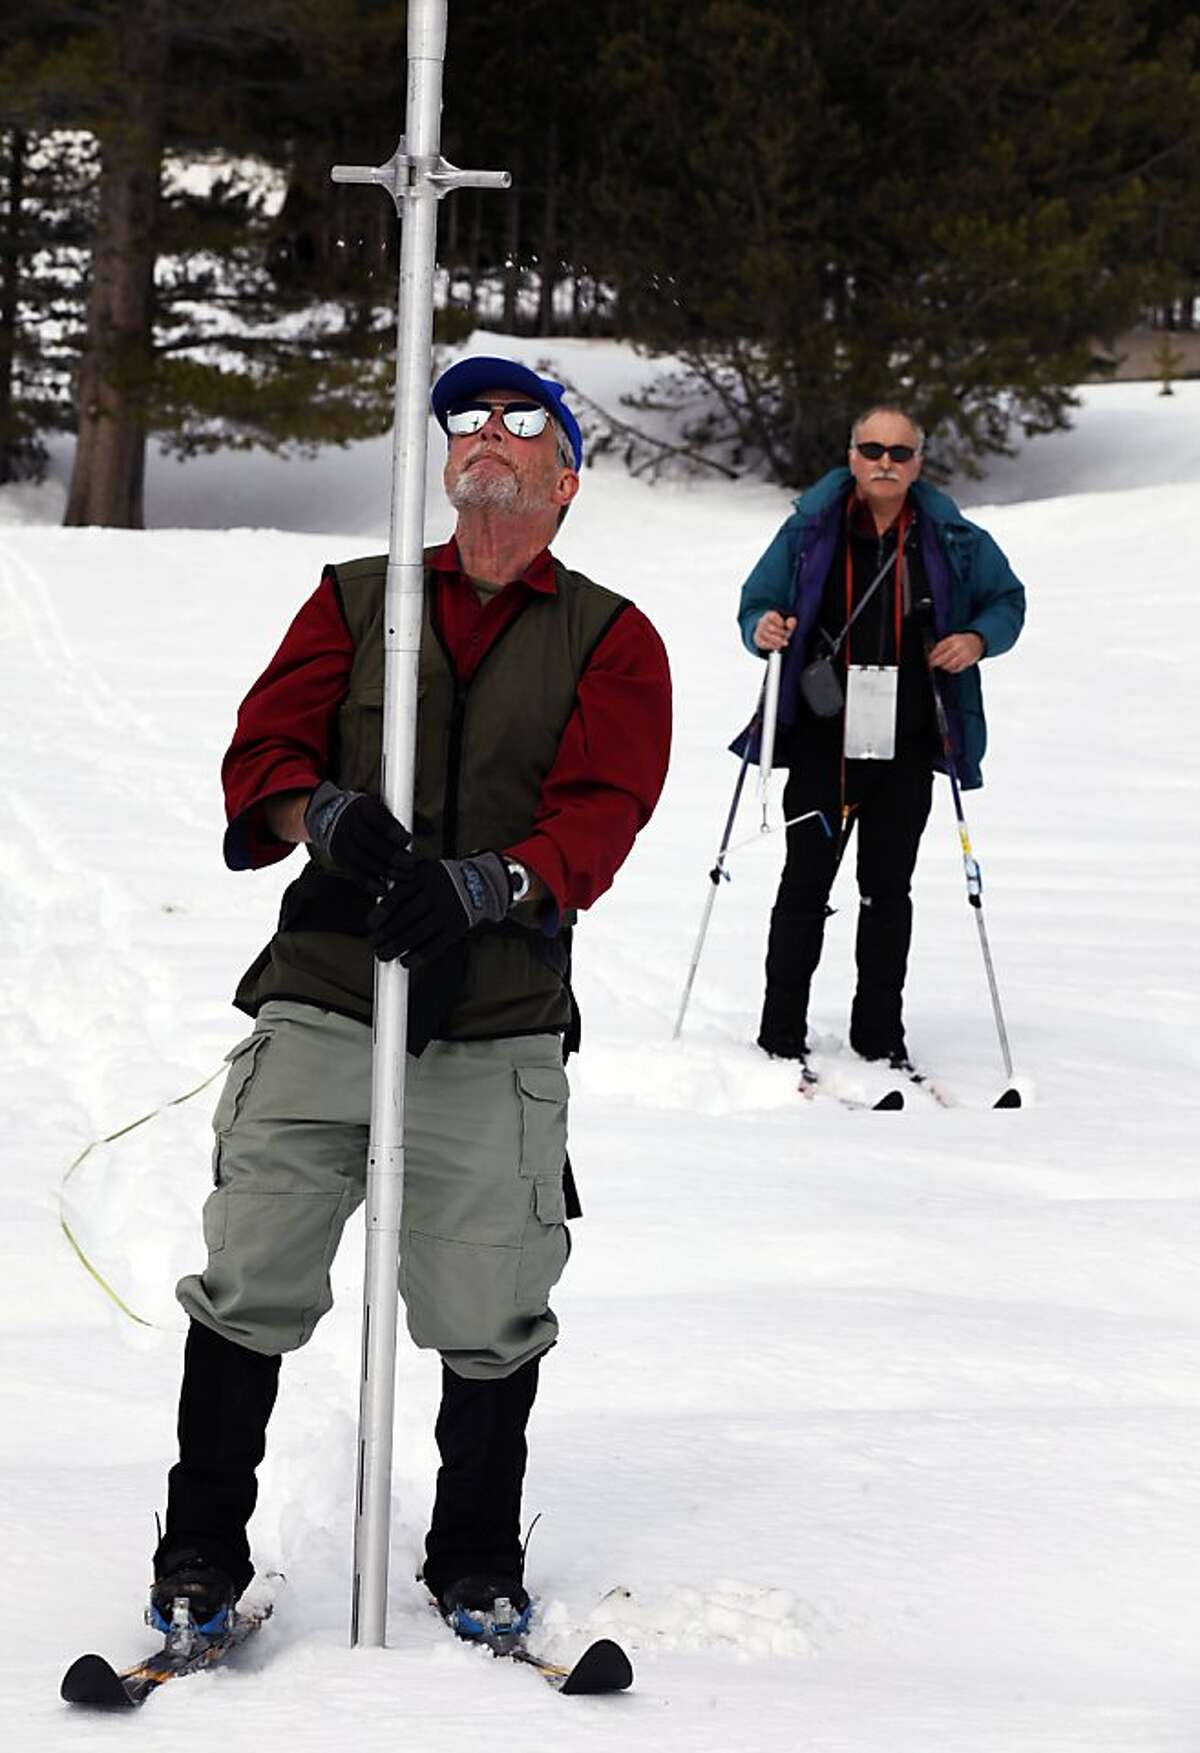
(603, 1667)
(810, 1084)
(95, 1682)
(890, 1102)
(1008, 1098)
(922, 1081)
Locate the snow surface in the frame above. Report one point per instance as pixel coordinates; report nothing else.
(867, 1433)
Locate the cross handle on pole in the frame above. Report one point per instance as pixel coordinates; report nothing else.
(402, 175)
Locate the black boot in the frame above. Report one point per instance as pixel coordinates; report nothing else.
(783, 1029)
(475, 1532)
(224, 1405)
(881, 954)
(793, 951)
(210, 1593)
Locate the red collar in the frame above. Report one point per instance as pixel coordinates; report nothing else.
(538, 575)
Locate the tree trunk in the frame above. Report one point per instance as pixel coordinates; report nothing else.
(549, 251)
(512, 251)
(10, 268)
(117, 366)
(474, 254)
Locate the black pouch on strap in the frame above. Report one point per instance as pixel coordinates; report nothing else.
(320, 900)
(433, 991)
(821, 688)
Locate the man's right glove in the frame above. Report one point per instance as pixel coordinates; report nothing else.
(436, 901)
(358, 832)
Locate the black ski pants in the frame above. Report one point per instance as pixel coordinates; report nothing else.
(890, 802)
(225, 1404)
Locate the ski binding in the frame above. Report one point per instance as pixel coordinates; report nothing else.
(187, 1649)
(603, 1667)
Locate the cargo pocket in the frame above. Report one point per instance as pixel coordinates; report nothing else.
(544, 1251)
(269, 1257)
(459, 1296)
(242, 1062)
(545, 1246)
(543, 1091)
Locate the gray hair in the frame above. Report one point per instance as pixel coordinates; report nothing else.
(562, 445)
(889, 408)
(566, 460)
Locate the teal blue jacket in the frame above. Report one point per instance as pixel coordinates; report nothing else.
(973, 587)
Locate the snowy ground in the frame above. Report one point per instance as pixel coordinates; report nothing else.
(867, 1433)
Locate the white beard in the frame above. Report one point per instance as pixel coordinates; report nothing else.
(501, 489)
(486, 488)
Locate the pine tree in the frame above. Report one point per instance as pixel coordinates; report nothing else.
(44, 230)
(191, 330)
(816, 208)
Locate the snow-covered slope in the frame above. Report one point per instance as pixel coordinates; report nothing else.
(1125, 435)
(868, 1433)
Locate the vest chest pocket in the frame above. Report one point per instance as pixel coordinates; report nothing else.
(360, 738)
(360, 735)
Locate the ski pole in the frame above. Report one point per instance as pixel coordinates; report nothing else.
(770, 713)
(1011, 1097)
(718, 870)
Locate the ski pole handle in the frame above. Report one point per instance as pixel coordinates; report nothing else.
(770, 713)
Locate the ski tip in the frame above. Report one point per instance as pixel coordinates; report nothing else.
(890, 1103)
(603, 1667)
(92, 1680)
(1011, 1098)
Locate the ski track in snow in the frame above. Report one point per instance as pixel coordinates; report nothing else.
(867, 1433)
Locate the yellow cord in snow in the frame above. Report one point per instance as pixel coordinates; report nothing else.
(67, 1231)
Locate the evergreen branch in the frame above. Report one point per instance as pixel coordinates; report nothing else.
(637, 436)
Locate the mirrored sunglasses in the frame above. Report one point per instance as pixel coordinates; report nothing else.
(522, 419)
(899, 453)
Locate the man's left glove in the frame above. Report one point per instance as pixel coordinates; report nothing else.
(358, 832)
(432, 903)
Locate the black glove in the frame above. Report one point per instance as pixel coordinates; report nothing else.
(434, 902)
(358, 832)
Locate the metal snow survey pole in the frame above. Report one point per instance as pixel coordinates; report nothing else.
(416, 177)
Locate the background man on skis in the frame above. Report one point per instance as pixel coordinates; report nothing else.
(542, 744)
(946, 597)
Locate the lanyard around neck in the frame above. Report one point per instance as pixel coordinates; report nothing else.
(852, 613)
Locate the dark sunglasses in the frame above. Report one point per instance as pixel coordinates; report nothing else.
(522, 419)
(899, 453)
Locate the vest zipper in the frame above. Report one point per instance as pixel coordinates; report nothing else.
(453, 766)
(458, 720)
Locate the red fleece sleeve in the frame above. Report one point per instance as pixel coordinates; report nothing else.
(284, 727)
(610, 767)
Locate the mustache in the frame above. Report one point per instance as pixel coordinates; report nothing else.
(485, 450)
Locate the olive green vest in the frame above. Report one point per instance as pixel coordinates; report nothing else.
(484, 749)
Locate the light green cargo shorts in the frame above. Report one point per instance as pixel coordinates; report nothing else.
(483, 1236)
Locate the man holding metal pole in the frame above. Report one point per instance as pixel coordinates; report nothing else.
(453, 839)
(542, 742)
(870, 561)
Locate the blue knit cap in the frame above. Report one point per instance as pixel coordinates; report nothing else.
(470, 377)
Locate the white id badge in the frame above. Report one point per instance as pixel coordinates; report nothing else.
(871, 711)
